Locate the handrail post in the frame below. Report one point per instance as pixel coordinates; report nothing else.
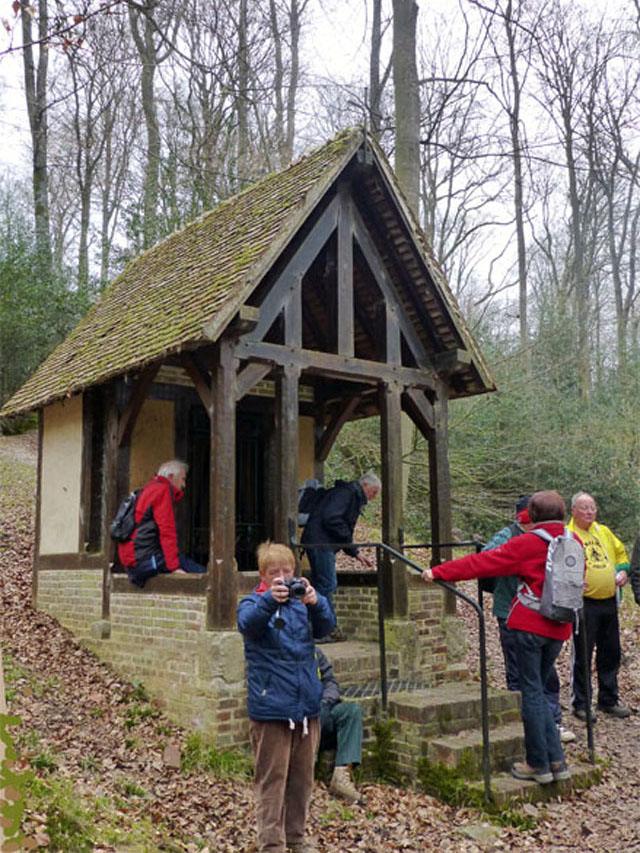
(484, 707)
(582, 627)
(381, 635)
(480, 590)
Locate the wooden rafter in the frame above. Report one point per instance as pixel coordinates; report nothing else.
(374, 260)
(420, 410)
(302, 259)
(249, 377)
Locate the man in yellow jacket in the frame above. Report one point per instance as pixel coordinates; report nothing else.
(606, 569)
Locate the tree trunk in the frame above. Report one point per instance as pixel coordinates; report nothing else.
(35, 84)
(518, 181)
(149, 61)
(407, 101)
(375, 90)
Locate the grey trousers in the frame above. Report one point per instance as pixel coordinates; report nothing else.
(283, 780)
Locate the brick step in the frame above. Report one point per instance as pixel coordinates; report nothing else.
(358, 663)
(453, 707)
(463, 751)
(507, 790)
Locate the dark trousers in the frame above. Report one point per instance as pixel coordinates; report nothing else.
(508, 641)
(600, 621)
(536, 656)
(341, 729)
(155, 565)
(323, 573)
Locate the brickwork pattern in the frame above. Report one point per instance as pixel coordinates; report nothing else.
(74, 597)
(357, 611)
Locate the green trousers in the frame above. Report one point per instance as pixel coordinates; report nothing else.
(341, 729)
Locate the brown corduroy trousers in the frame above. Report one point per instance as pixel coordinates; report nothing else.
(284, 760)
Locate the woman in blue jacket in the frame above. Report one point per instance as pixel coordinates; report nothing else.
(278, 624)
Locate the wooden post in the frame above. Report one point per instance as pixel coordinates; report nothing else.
(395, 585)
(222, 585)
(345, 273)
(287, 450)
(109, 490)
(440, 486)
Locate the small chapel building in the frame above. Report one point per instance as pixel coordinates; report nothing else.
(243, 343)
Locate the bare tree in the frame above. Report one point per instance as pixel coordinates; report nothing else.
(36, 93)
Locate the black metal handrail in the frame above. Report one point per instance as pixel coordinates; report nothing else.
(397, 555)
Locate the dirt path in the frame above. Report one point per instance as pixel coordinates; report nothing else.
(97, 746)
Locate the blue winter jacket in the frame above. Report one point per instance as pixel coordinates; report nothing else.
(282, 671)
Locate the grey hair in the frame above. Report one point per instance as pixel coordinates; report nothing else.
(371, 479)
(578, 495)
(172, 467)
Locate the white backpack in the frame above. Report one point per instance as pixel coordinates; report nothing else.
(563, 586)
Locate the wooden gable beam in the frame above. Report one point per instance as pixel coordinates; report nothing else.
(138, 395)
(335, 366)
(302, 259)
(201, 379)
(327, 439)
(376, 265)
(345, 272)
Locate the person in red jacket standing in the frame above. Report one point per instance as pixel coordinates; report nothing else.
(153, 546)
(538, 639)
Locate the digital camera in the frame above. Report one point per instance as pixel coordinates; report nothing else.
(297, 589)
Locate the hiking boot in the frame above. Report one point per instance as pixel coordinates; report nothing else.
(617, 710)
(521, 770)
(566, 735)
(581, 714)
(302, 847)
(308, 846)
(560, 771)
(342, 785)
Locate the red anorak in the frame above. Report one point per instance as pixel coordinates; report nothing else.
(524, 556)
(155, 525)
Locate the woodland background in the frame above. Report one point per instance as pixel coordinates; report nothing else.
(513, 127)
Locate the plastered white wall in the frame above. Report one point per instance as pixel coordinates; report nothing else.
(61, 472)
(152, 442)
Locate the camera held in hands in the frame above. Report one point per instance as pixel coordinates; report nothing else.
(296, 587)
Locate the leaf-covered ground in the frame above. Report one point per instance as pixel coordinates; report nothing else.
(105, 780)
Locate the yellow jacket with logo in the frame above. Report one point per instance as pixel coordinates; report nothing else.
(604, 556)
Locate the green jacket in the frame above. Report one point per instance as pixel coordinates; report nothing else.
(505, 587)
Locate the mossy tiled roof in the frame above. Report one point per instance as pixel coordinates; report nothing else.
(198, 276)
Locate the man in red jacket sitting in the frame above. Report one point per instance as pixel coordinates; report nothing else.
(538, 639)
(153, 546)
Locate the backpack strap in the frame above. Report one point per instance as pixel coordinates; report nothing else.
(543, 534)
(527, 596)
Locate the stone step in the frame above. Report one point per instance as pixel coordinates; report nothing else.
(507, 790)
(463, 751)
(356, 662)
(453, 707)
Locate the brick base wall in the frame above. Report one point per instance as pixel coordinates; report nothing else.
(74, 597)
(198, 676)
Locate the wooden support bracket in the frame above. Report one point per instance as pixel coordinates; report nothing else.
(130, 414)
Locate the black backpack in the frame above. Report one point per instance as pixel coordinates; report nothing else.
(124, 523)
(309, 495)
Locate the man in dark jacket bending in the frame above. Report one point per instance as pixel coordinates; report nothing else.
(330, 526)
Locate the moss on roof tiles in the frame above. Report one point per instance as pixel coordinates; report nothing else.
(163, 299)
